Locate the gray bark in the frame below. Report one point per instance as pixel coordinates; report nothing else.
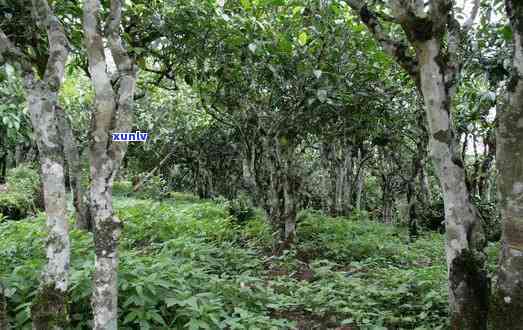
(387, 201)
(360, 180)
(18, 155)
(426, 193)
(465, 241)
(435, 35)
(203, 179)
(3, 153)
(49, 308)
(249, 171)
(112, 113)
(70, 147)
(281, 197)
(337, 160)
(508, 296)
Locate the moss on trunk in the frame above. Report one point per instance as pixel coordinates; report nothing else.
(49, 309)
(506, 314)
(471, 286)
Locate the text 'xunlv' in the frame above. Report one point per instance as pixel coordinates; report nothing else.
(128, 137)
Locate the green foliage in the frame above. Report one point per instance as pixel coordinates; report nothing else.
(241, 208)
(371, 297)
(24, 179)
(185, 264)
(346, 240)
(181, 197)
(23, 184)
(180, 270)
(14, 120)
(491, 219)
(122, 188)
(155, 187)
(432, 216)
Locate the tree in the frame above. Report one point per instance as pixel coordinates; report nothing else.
(43, 76)
(114, 97)
(431, 56)
(507, 302)
(72, 156)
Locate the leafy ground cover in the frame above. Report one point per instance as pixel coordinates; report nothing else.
(187, 264)
(19, 197)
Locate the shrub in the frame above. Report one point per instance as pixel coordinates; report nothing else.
(184, 197)
(23, 193)
(432, 216)
(491, 219)
(156, 188)
(122, 188)
(241, 209)
(185, 273)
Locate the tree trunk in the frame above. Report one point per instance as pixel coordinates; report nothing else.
(203, 179)
(411, 204)
(249, 171)
(3, 153)
(337, 160)
(338, 181)
(348, 182)
(436, 36)
(486, 165)
(49, 307)
(426, 193)
(468, 282)
(387, 201)
(360, 180)
(80, 198)
(326, 179)
(4, 324)
(112, 113)
(417, 171)
(283, 186)
(411, 191)
(508, 296)
(18, 154)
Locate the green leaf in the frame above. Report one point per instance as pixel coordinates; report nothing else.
(130, 317)
(171, 301)
(246, 4)
(303, 37)
(157, 317)
(506, 32)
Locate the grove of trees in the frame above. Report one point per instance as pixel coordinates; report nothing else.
(408, 114)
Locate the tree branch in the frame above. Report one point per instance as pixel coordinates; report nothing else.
(104, 93)
(396, 49)
(58, 44)
(473, 14)
(112, 33)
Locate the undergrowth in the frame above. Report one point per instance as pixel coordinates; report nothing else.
(187, 264)
(22, 193)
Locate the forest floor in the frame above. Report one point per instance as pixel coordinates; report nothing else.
(187, 264)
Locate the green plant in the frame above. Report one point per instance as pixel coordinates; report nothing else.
(188, 265)
(122, 187)
(23, 192)
(241, 208)
(155, 187)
